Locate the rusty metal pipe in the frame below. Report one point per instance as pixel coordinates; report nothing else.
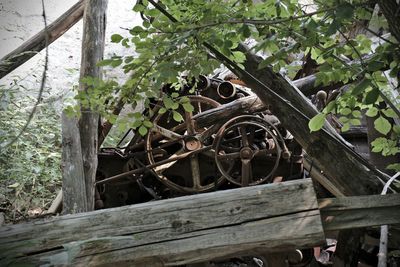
(226, 90)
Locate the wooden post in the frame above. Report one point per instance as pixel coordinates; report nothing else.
(174, 231)
(94, 25)
(73, 184)
(35, 44)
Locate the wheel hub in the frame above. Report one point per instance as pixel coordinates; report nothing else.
(192, 144)
(246, 153)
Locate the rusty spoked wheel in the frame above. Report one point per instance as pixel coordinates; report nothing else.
(169, 139)
(252, 145)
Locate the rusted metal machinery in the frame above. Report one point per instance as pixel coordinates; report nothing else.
(175, 158)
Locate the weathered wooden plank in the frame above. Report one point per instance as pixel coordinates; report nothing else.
(73, 186)
(173, 231)
(362, 211)
(35, 44)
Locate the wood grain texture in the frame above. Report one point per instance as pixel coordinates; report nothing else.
(73, 179)
(174, 231)
(362, 211)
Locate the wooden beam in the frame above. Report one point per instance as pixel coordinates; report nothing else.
(35, 44)
(172, 232)
(361, 211)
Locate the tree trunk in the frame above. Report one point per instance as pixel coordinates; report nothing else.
(35, 44)
(94, 24)
(73, 179)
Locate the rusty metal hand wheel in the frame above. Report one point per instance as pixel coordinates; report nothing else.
(252, 145)
(169, 139)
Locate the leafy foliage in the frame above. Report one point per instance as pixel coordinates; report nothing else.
(30, 171)
(172, 53)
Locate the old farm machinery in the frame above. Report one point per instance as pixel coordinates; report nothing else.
(205, 152)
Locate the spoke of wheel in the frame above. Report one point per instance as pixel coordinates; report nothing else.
(189, 122)
(246, 172)
(199, 107)
(165, 132)
(265, 152)
(194, 164)
(209, 132)
(161, 168)
(243, 133)
(251, 135)
(229, 156)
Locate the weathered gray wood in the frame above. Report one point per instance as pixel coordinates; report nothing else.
(94, 25)
(35, 44)
(174, 231)
(361, 211)
(56, 205)
(73, 182)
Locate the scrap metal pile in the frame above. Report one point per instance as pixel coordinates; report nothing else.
(178, 158)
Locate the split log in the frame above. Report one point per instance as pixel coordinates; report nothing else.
(174, 231)
(35, 44)
(94, 25)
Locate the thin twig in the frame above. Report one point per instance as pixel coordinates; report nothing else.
(43, 81)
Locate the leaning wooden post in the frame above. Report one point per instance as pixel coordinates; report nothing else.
(94, 24)
(34, 45)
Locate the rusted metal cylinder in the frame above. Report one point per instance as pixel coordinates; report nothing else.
(226, 90)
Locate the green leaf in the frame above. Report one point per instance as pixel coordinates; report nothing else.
(394, 166)
(246, 31)
(162, 111)
(177, 116)
(372, 112)
(138, 8)
(333, 27)
(372, 96)
(148, 124)
(168, 102)
(116, 38)
(317, 122)
(239, 56)
(345, 11)
(345, 111)
(143, 130)
(389, 113)
(382, 125)
(361, 86)
(188, 107)
(345, 127)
